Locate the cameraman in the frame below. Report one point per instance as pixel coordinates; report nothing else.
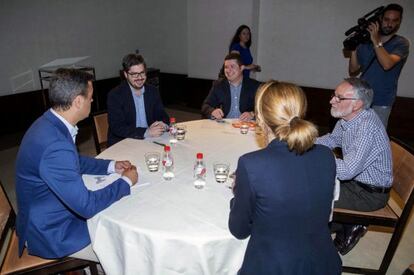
(381, 61)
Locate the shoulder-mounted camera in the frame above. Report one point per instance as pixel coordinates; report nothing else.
(359, 33)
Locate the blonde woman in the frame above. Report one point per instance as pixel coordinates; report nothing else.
(283, 193)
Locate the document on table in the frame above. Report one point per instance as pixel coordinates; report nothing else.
(96, 182)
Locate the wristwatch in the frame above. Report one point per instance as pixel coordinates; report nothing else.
(378, 45)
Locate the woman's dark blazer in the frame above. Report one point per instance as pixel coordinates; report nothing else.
(283, 202)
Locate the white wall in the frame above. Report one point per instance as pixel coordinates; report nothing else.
(34, 33)
(301, 40)
(295, 40)
(211, 25)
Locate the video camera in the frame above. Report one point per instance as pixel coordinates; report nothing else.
(359, 33)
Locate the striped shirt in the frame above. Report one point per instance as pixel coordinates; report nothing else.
(365, 147)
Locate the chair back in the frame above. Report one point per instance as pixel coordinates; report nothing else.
(403, 170)
(13, 263)
(100, 121)
(7, 219)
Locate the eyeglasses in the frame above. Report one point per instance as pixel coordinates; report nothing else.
(339, 98)
(136, 75)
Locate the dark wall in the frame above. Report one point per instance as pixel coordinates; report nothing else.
(178, 91)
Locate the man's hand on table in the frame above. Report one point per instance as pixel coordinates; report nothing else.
(156, 129)
(217, 114)
(246, 116)
(132, 174)
(122, 165)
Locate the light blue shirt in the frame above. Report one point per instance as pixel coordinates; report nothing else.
(141, 117)
(235, 91)
(365, 147)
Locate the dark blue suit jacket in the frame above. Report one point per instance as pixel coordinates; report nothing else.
(283, 202)
(53, 202)
(122, 113)
(220, 97)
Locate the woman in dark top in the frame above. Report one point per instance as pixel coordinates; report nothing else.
(241, 43)
(283, 193)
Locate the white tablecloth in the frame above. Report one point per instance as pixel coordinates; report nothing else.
(170, 227)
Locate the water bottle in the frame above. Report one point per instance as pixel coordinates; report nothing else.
(199, 172)
(167, 164)
(173, 130)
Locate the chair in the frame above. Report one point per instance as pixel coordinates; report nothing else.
(100, 133)
(11, 263)
(402, 191)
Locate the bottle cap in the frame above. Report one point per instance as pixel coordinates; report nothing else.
(199, 155)
(167, 148)
(172, 119)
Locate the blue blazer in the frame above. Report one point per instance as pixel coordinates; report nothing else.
(220, 96)
(53, 202)
(283, 201)
(122, 114)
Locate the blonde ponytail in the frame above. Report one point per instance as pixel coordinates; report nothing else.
(281, 107)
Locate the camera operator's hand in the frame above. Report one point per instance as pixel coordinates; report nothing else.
(373, 30)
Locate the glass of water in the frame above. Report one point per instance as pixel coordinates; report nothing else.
(221, 171)
(244, 128)
(180, 133)
(152, 159)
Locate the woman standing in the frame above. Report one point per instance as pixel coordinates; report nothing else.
(241, 43)
(283, 193)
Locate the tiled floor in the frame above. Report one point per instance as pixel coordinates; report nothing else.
(368, 252)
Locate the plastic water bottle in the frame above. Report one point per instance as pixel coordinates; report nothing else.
(167, 164)
(199, 172)
(173, 130)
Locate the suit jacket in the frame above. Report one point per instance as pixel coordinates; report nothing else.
(283, 202)
(53, 202)
(122, 113)
(220, 96)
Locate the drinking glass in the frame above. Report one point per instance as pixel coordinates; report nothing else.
(181, 130)
(244, 128)
(221, 171)
(152, 159)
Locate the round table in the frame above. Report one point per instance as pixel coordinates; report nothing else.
(170, 227)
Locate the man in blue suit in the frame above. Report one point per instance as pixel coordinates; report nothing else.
(135, 109)
(232, 97)
(53, 202)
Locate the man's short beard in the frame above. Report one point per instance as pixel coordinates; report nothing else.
(391, 31)
(341, 114)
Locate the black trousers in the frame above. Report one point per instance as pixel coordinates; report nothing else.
(352, 196)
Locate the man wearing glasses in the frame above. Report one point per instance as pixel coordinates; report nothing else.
(365, 170)
(135, 109)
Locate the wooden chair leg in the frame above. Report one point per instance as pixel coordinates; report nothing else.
(93, 268)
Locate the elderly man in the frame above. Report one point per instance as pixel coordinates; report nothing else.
(135, 109)
(232, 97)
(52, 199)
(365, 171)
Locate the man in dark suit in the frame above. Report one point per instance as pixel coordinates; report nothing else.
(52, 199)
(135, 109)
(232, 97)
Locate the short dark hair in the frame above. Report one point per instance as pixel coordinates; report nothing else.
(132, 59)
(234, 56)
(65, 85)
(394, 7)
